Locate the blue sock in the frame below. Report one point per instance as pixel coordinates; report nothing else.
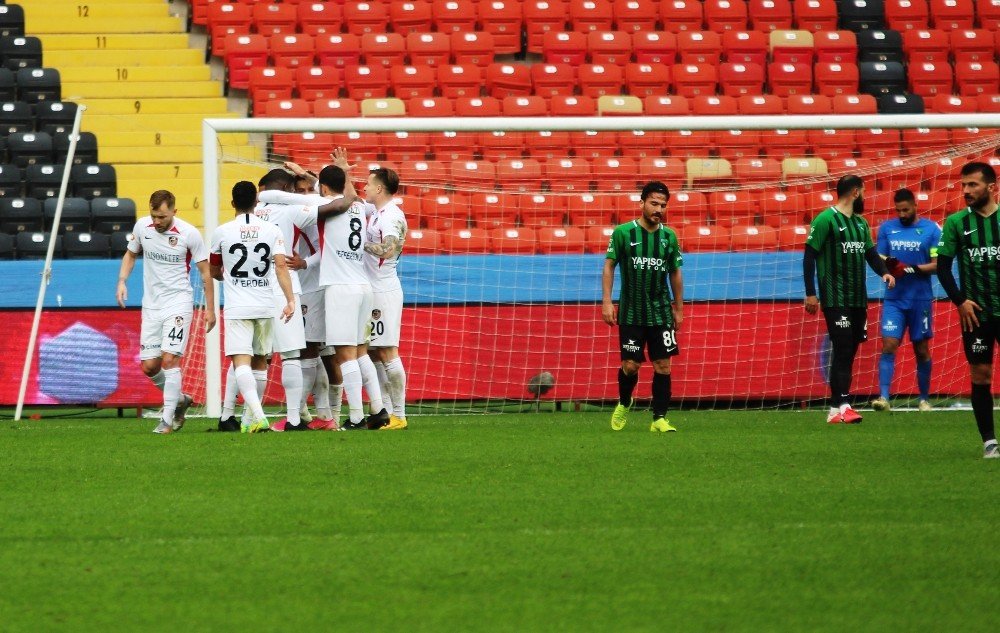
(924, 378)
(886, 368)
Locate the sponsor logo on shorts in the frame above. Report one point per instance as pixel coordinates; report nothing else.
(172, 240)
(631, 346)
(844, 322)
(376, 314)
(978, 347)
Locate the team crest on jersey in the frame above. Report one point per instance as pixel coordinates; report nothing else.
(130, 237)
(179, 321)
(305, 309)
(172, 240)
(376, 314)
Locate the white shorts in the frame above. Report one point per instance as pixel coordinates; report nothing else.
(348, 314)
(313, 311)
(164, 331)
(387, 318)
(249, 336)
(291, 336)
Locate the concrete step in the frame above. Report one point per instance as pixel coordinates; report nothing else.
(203, 106)
(113, 41)
(66, 60)
(103, 27)
(128, 75)
(136, 90)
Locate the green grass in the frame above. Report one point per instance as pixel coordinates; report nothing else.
(742, 521)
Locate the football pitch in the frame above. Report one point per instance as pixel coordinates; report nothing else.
(742, 521)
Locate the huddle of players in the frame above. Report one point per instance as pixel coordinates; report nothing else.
(299, 273)
(909, 251)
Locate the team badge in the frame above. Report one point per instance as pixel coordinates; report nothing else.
(179, 321)
(130, 237)
(376, 314)
(172, 240)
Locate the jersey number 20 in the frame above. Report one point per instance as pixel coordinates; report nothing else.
(263, 250)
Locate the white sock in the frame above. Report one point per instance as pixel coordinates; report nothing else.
(336, 401)
(308, 378)
(158, 379)
(370, 379)
(171, 392)
(383, 383)
(397, 386)
(291, 380)
(352, 385)
(232, 389)
(245, 378)
(260, 376)
(321, 393)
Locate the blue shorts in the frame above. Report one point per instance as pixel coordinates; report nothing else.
(918, 319)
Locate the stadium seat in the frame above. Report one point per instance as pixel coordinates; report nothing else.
(811, 168)
(906, 15)
(637, 144)
(635, 16)
(619, 105)
(338, 50)
(542, 16)
(792, 237)
(386, 49)
(972, 45)
(930, 78)
(609, 47)
(599, 79)
(572, 105)
(989, 15)
(454, 206)
(7, 249)
(119, 244)
(21, 52)
(949, 15)
(366, 82)
(409, 82)
(615, 173)
(226, 19)
(882, 78)
(482, 172)
(725, 15)
(20, 215)
(430, 49)
(75, 216)
(756, 169)
(513, 241)
(792, 47)
(743, 78)
(8, 85)
(880, 45)
(879, 142)
(86, 147)
(564, 48)
(472, 48)
(926, 45)
(423, 242)
(686, 207)
(784, 143)
(815, 15)
(666, 105)
(11, 20)
(268, 84)
(944, 103)
(411, 16)
(387, 106)
(854, 104)
(96, 180)
(494, 209)
(770, 15)
(365, 17)
(699, 47)
(544, 145)
(832, 143)
(836, 78)
(11, 182)
(320, 18)
(244, 52)
(28, 148)
(457, 80)
(678, 16)
(427, 173)
(590, 15)
(36, 245)
(976, 78)
(781, 208)
(552, 79)
(643, 80)
(37, 85)
(654, 47)
(288, 108)
(731, 208)
(274, 19)
(561, 240)
(861, 15)
(42, 181)
(334, 108)
(454, 16)
(588, 210)
(713, 105)
(507, 80)
(465, 241)
(754, 238)
(543, 210)
(837, 167)
(736, 144)
(504, 20)
(788, 79)
(519, 174)
(662, 168)
(695, 79)
(745, 47)
(760, 105)
(988, 103)
(702, 237)
(292, 50)
(835, 46)
(688, 143)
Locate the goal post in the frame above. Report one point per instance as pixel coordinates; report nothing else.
(710, 164)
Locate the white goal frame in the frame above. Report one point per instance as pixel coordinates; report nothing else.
(211, 128)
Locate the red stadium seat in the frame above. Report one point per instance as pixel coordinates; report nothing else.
(819, 201)
(269, 84)
(615, 173)
(505, 80)
(668, 105)
(544, 144)
(854, 104)
(271, 19)
(315, 82)
(699, 47)
(430, 107)
(760, 105)
(839, 143)
(815, 15)
(592, 144)
(519, 174)
(726, 15)
(336, 108)
(678, 16)
(754, 238)
(504, 20)
(690, 143)
(948, 15)
(926, 45)
(688, 207)
(366, 82)
(225, 19)
(513, 241)
(552, 79)
(286, 108)
(788, 79)
(459, 241)
(976, 78)
(339, 50)
(713, 105)
(639, 144)
(745, 47)
(457, 80)
(481, 172)
(542, 16)
(598, 237)
(702, 237)
(906, 15)
(836, 78)
(972, 45)
(566, 174)
(757, 169)
(930, 78)
(989, 15)
(654, 47)
(292, 50)
(988, 103)
(495, 209)
(589, 210)
(320, 18)
(596, 80)
(770, 15)
(502, 144)
(781, 208)
(731, 208)
(572, 105)
(809, 104)
(664, 169)
(543, 210)
(742, 79)
(736, 144)
(477, 106)
(430, 175)
(386, 49)
(837, 167)
(454, 16)
(244, 52)
(409, 82)
(308, 148)
(694, 79)
(792, 237)
(564, 48)
(525, 105)
(365, 17)
(430, 49)
(635, 16)
(590, 15)
(405, 147)
(411, 16)
(609, 47)
(445, 205)
(784, 143)
(951, 103)
(561, 239)
(835, 46)
(423, 242)
(879, 143)
(472, 48)
(643, 80)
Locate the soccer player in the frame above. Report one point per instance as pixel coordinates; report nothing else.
(909, 245)
(168, 246)
(385, 234)
(242, 253)
(972, 236)
(651, 303)
(840, 242)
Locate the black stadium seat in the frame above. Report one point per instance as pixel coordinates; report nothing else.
(880, 45)
(882, 78)
(858, 15)
(21, 52)
(11, 185)
(119, 243)
(35, 85)
(75, 215)
(111, 215)
(8, 85)
(94, 180)
(55, 116)
(86, 245)
(28, 148)
(6, 246)
(16, 116)
(900, 104)
(11, 20)
(86, 148)
(34, 245)
(18, 215)
(42, 181)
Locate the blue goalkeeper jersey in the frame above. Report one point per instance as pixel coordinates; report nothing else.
(914, 244)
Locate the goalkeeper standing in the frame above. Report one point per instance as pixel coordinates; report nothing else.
(650, 260)
(909, 244)
(840, 243)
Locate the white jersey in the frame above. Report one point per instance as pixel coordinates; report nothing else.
(381, 224)
(307, 247)
(166, 266)
(290, 219)
(245, 248)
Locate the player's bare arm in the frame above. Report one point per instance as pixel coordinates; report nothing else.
(812, 304)
(609, 312)
(209, 286)
(386, 249)
(285, 282)
(128, 263)
(297, 169)
(677, 288)
(294, 262)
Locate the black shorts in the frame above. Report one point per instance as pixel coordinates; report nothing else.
(661, 341)
(847, 326)
(979, 342)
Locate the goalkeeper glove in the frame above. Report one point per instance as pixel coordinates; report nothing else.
(897, 268)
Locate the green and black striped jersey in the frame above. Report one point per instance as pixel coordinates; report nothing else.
(645, 260)
(841, 243)
(975, 242)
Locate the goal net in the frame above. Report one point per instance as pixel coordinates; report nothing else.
(510, 217)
